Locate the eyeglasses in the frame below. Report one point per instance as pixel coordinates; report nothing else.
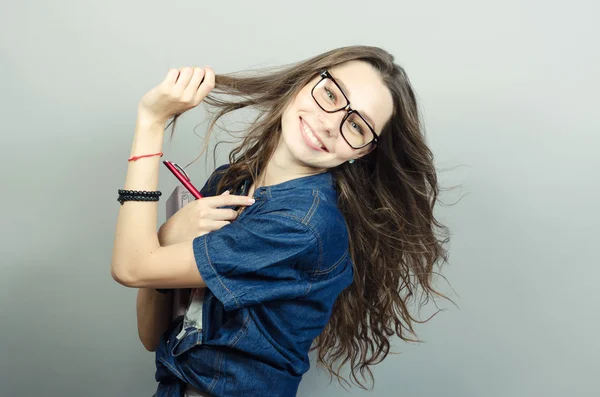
(354, 128)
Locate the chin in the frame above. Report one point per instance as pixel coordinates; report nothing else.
(318, 161)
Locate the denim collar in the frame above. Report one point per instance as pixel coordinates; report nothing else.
(322, 180)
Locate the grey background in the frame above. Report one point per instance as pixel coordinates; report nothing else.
(509, 91)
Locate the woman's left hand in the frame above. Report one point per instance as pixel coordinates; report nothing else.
(200, 217)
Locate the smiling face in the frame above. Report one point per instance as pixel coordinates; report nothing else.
(312, 136)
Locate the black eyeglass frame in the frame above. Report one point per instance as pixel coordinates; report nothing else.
(326, 75)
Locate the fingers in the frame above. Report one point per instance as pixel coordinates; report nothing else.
(228, 199)
(185, 75)
(195, 80)
(216, 214)
(172, 76)
(207, 85)
(208, 225)
(192, 85)
(223, 214)
(219, 224)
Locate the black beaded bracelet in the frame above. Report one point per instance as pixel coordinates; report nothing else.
(122, 199)
(137, 195)
(140, 193)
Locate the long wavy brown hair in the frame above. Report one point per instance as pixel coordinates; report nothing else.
(387, 198)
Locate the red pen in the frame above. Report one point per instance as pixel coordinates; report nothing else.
(183, 178)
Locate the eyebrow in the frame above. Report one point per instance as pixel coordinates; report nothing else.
(366, 116)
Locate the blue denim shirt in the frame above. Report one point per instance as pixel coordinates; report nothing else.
(272, 278)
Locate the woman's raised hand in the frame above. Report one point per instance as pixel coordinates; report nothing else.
(181, 90)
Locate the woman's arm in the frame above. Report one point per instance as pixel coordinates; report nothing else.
(138, 260)
(142, 257)
(135, 235)
(154, 311)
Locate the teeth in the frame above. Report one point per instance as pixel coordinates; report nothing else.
(312, 137)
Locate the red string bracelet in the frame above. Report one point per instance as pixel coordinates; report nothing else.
(145, 155)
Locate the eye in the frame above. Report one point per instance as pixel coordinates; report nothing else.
(329, 94)
(357, 127)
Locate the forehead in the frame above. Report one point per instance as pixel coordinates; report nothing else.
(365, 90)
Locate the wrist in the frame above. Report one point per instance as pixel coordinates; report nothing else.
(147, 118)
(149, 133)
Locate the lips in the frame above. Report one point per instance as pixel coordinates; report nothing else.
(311, 138)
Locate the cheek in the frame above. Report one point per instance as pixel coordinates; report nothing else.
(290, 114)
(342, 150)
(304, 101)
(298, 105)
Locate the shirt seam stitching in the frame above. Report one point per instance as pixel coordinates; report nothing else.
(215, 380)
(241, 332)
(313, 232)
(313, 207)
(172, 368)
(232, 296)
(332, 267)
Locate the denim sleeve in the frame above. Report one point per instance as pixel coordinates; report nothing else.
(256, 260)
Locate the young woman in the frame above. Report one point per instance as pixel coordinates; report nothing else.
(316, 234)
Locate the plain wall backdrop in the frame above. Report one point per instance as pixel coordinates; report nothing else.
(509, 94)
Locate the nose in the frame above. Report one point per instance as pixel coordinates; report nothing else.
(331, 123)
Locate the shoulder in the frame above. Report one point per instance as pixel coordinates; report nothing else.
(314, 210)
